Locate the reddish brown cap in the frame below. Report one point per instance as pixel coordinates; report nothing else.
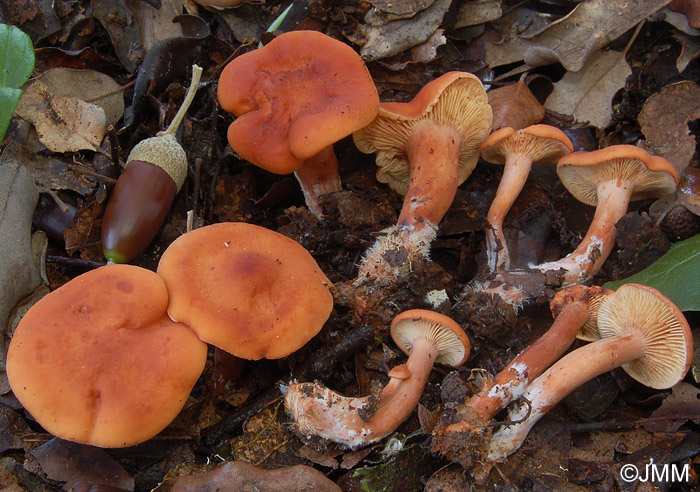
(297, 95)
(451, 341)
(581, 172)
(99, 362)
(544, 144)
(591, 296)
(456, 99)
(245, 289)
(669, 342)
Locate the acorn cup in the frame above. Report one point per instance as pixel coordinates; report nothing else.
(154, 173)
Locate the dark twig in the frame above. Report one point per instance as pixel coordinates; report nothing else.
(321, 363)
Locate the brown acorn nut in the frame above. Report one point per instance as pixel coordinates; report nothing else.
(155, 171)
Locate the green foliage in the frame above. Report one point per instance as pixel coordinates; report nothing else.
(676, 275)
(16, 65)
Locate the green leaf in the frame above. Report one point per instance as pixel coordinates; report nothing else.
(676, 275)
(16, 57)
(8, 101)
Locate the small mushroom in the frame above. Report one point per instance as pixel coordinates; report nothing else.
(641, 331)
(575, 310)
(517, 151)
(98, 361)
(424, 149)
(245, 289)
(427, 337)
(294, 98)
(608, 179)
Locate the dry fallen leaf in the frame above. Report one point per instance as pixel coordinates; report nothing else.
(241, 476)
(681, 405)
(479, 12)
(75, 463)
(689, 8)
(399, 35)
(664, 122)
(63, 124)
(573, 39)
(156, 24)
(514, 106)
(587, 94)
(88, 85)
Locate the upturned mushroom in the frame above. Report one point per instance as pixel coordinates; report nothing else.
(517, 151)
(575, 312)
(424, 149)
(641, 331)
(245, 289)
(427, 337)
(294, 98)
(98, 361)
(608, 179)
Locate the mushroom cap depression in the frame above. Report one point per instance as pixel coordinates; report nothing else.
(454, 99)
(451, 341)
(669, 350)
(245, 289)
(580, 172)
(99, 362)
(544, 144)
(295, 96)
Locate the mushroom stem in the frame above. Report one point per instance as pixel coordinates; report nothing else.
(515, 172)
(593, 250)
(318, 176)
(324, 413)
(562, 378)
(512, 381)
(433, 156)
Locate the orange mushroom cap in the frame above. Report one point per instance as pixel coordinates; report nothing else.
(580, 172)
(99, 362)
(297, 95)
(544, 144)
(448, 336)
(245, 289)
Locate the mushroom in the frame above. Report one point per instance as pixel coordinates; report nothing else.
(575, 310)
(641, 330)
(517, 151)
(293, 99)
(245, 289)
(424, 149)
(608, 179)
(427, 337)
(98, 361)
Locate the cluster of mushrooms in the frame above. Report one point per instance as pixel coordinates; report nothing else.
(116, 374)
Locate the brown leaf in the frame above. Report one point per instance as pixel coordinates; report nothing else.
(514, 106)
(240, 476)
(690, 50)
(75, 463)
(398, 35)
(479, 12)
(587, 95)
(689, 8)
(85, 235)
(63, 124)
(19, 275)
(664, 121)
(573, 39)
(87, 85)
(156, 24)
(681, 405)
(317, 457)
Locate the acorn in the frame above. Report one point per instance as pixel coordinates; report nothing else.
(153, 174)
